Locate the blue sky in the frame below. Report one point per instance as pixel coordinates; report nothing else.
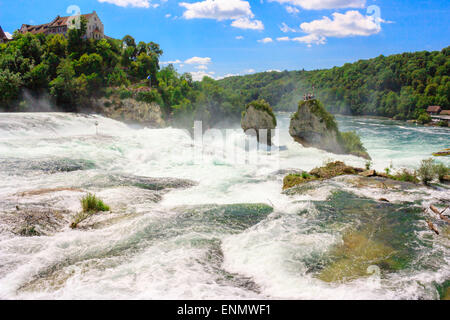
(227, 37)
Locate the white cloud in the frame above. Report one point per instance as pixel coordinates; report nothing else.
(324, 4)
(239, 38)
(168, 15)
(217, 9)
(351, 23)
(292, 10)
(198, 60)
(199, 75)
(265, 40)
(246, 23)
(171, 62)
(311, 39)
(228, 75)
(237, 10)
(250, 71)
(131, 3)
(285, 28)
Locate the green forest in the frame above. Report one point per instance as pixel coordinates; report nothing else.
(72, 70)
(399, 86)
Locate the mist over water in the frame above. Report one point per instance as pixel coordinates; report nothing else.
(189, 243)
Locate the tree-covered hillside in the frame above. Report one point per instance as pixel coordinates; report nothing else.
(68, 72)
(400, 86)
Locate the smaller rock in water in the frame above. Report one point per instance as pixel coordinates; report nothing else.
(259, 119)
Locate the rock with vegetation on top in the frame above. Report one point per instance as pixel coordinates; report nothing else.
(131, 111)
(313, 126)
(331, 170)
(259, 116)
(402, 179)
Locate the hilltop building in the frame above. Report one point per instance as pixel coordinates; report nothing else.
(4, 36)
(61, 25)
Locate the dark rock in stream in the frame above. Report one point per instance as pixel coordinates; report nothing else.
(234, 216)
(46, 165)
(147, 183)
(259, 119)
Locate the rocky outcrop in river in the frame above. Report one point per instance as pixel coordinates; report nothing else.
(130, 111)
(312, 126)
(259, 118)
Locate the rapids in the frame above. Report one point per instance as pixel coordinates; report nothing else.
(232, 234)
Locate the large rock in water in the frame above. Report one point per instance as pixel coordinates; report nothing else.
(259, 117)
(313, 126)
(131, 111)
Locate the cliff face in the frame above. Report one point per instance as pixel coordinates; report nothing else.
(131, 111)
(312, 129)
(259, 117)
(313, 126)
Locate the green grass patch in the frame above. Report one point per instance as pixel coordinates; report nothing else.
(90, 205)
(293, 180)
(405, 176)
(352, 144)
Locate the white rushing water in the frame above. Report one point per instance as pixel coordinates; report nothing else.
(147, 249)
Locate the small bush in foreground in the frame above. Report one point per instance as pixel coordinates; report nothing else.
(91, 205)
(426, 171)
(440, 170)
(406, 176)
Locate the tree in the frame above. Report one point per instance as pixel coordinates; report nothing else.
(88, 64)
(10, 84)
(57, 44)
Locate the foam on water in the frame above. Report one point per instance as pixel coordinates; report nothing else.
(156, 252)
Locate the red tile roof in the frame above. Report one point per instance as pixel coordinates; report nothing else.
(434, 109)
(57, 22)
(445, 113)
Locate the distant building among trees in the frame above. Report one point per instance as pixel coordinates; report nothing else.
(434, 110)
(61, 25)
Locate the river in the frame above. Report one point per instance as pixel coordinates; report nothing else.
(232, 235)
